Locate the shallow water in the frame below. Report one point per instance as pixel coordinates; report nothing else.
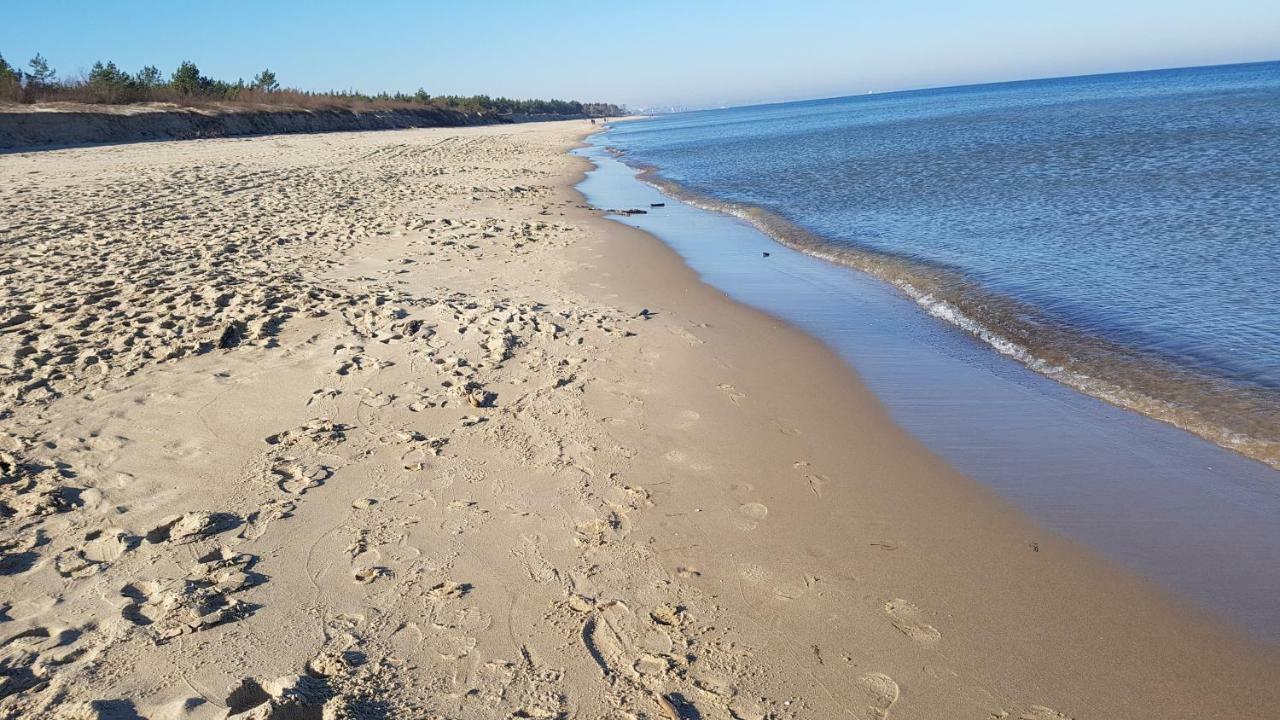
(1118, 233)
(1192, 516)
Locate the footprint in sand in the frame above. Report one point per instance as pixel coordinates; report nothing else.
(1040, 712)
(324, 393)
(609, 635)
(363, 556)
(599, 531)
(749, 515)
(448, 590)
(368, 574)
(452, 646)
(688, 418)
(529, 552)
(879, 693)
(104, 546)
(905, 616)
(735, 396)
(34, 651)
(786, 427)
(192, 526)
(406, 639)
(318, 433)
(292, 696)
(372, 398)
(101, 548)
(686, 336)
(817, 482)
(753, 573)
(296, 478)
(203, 599)
(627, 497)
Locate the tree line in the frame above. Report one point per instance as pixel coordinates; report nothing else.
(106, 83)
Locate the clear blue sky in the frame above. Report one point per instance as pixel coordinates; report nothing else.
(643, 53)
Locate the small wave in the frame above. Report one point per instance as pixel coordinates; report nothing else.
(1244, 420)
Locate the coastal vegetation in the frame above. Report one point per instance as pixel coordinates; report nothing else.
(106, 83)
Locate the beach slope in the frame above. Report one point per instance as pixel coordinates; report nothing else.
(389, 424)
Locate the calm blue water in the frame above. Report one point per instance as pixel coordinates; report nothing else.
(1119, 233)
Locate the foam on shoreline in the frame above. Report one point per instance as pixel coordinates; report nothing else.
(1241, 419)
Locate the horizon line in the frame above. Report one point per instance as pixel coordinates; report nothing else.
(925, 88)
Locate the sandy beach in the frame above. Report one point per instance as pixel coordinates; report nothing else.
(392, 425)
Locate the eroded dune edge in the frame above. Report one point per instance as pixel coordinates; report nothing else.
(370, 425)
(67, 124)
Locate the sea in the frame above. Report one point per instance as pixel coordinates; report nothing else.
(1066, 289)
(1118, 233)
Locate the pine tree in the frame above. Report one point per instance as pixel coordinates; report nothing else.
(10, 81)
(7, 71)
(108, 76)
(187, 80)
(41, 74)
(149, 77)
(265, 81)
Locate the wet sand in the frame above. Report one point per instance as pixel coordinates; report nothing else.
(391, 425)
(1195, 518)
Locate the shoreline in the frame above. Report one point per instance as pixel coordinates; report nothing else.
(1202, 406)
(467, 475)
(829, 383)
(1172, 507)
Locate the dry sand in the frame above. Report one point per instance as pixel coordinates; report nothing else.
(373, 425)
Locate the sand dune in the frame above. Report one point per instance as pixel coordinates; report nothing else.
(387, 424)
(65, 124)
